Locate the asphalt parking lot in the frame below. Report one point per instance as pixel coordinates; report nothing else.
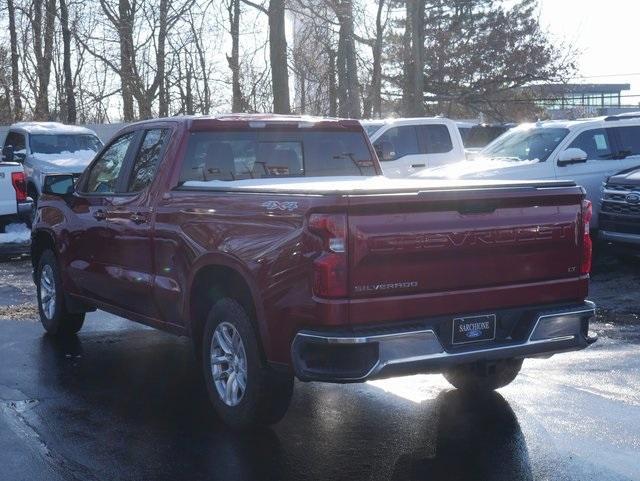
(121, 401)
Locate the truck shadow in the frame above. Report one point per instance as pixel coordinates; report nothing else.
(136, 397)
(478, 438)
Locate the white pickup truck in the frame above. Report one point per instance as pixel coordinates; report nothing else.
(15, 208)
(586, 151)
(407, 146)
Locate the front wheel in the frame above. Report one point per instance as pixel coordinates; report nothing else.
(54, 316)
(483, 377)
(243, 389)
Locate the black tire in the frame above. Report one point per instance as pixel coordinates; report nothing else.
(483, 377)
(56, 320)
(267, 393)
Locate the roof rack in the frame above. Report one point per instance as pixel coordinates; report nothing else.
(634, 115)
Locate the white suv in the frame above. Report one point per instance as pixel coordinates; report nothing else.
(406, 146)
(586, 151)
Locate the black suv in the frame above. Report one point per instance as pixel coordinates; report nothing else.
(620, 211)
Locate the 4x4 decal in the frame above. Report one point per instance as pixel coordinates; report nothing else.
(277, 205)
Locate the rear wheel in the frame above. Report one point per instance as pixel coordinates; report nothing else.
(243, 389)
(54, 316)
(483, 376)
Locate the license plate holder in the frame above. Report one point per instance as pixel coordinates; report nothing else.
(473, 329)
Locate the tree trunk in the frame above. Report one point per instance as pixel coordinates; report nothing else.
(70, 98)
(413, 92)
(15, 78)
(234, 59)
(347, 65)
(125, 30)
(159, 83)
(278, 57)
(376, 74)
(333, 91)
(43, 51)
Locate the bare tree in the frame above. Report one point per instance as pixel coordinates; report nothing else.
(43, 15)
(348, 87)
(412, 91)
(15, 80)
(277, 53)
(70, 99)
(237, 100)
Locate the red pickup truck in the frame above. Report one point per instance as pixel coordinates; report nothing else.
(276, 245)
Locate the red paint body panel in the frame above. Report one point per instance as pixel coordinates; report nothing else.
(411, 253)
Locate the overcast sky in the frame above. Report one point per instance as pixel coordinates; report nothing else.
(606, 32)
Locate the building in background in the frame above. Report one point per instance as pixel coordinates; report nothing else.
(569, 101)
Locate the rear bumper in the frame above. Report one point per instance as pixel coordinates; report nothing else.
(357, 357)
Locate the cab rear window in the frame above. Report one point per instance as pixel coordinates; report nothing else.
(239, 155)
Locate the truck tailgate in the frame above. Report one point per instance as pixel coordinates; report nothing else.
(442, 241)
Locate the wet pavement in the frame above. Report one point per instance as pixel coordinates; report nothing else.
(122, 401)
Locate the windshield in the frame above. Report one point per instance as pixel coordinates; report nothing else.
(530, 144)
(372, 128)
(64, 143)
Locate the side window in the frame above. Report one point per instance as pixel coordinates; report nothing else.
(629, 140)
(103, 176)
(17, 141)
(595, 143)
(403, 140)
(434, 139)
(148, 158)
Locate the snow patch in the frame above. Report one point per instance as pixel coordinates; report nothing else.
(66, 156)
(346, 184)
(51, 128)
(15, 234)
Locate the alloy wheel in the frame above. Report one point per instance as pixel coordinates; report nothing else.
(228, 364)
(47, 291)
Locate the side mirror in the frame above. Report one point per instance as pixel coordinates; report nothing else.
(58, 184)
(572, 156)
(385, 151)
(8, 153)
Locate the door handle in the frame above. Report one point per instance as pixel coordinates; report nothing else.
(415, 166)
(138, 218)
(100, 215)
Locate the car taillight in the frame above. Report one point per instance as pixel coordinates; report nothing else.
(330, 268)
(587, 246)
(20, 186)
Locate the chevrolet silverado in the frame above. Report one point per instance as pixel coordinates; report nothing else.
(277, 246)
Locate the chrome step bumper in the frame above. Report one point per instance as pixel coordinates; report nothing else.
(330, 357)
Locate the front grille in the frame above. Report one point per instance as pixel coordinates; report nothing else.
(622, 187)
(608, 195)
(621, 209)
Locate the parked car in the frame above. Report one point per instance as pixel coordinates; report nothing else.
(406, 146)
(586, 151)
(475, 137)
(49, 148)
(278, 247)
(620, 210)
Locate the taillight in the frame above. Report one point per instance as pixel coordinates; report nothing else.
(587, 245)
(20, 186)
(330, 268)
